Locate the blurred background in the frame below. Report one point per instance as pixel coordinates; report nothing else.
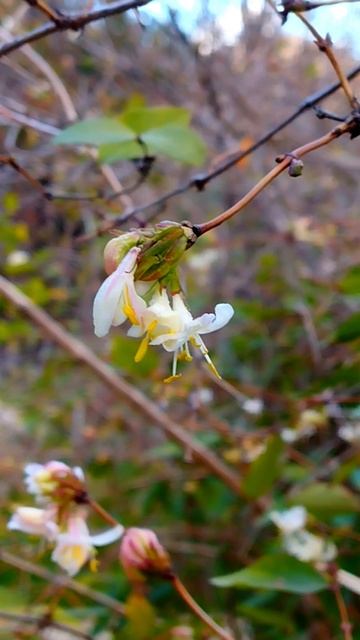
(289, 264)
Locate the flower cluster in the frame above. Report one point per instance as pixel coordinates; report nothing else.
(61, 520)
(142, 270)
(298, 541)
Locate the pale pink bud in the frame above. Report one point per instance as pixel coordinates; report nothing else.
(141, 552)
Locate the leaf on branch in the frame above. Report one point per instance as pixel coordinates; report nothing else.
(278, 572)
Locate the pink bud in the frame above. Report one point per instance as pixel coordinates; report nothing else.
(141, 552)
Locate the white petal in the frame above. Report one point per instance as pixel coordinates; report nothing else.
(180, 307)
(107, 537)
(135, 331)
(107, 299)
(223, 314)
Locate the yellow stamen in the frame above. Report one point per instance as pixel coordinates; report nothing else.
(94, 565)
(212, 367)
(141, 352)
(171, 378)
(184, 357)
(128, 309)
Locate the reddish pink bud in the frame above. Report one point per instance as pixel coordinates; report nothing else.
(141, 552)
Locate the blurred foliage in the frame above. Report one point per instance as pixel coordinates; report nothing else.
(290, 267)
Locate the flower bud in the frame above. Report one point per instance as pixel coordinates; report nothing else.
(162, 251)
(117, 248)
(141, 552)
(54, 481)
(295, 167)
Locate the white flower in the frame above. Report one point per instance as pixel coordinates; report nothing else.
(290, 520)
(254, 406)
(75, 546)
(307, 547)
(176, 327)
(38, 522)
(117, 299)
(17, 258)
(350, 432)
(41, 480)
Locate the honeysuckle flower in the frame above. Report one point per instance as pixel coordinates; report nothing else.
(142, 552)
(38, 522)
(289, 521)
(174, 327)
(117, 299)
(75, 546)
(307, 547)
(44, 480)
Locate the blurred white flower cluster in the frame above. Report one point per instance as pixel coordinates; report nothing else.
(298, 541)
(60, 518)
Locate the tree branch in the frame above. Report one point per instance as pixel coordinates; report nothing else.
(74, 23)
(122, 388)
(62, 581)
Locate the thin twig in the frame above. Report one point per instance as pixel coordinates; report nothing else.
(298, 6)
(346, 625)
(11, 162)
(200, 181)
(62, 581)
(123, 389)
(199, 612)
(75, 23)
(283, 163)
(44, 8)
(325, 45)
(42, 622)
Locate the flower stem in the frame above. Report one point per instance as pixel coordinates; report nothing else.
(105, 515)
(199, 612)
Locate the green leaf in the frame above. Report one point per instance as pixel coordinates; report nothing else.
(95, 131)
(278, 572)
(177, 142)
(266, 617)
(146, 118)
(326, 499)
(121, 151)
(350, 329)
(350, 283)
(265, 469)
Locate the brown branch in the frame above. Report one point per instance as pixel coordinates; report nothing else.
(283, 163)
(200, 181)
(62, 581)
(123, 389)
(11, 162)
(44, 8)
(325, 46)
(346, 625)
(42, 622)
(298, 6)
(74, 23)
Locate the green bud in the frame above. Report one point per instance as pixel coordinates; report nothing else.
(162, 251)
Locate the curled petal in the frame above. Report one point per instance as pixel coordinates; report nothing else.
(107, 537)
(223, 314)
(37, 522)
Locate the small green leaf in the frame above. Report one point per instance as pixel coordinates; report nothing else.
(146, 118)
(326, 499)
(350, 329)
(277, 572)
(265, 469)
(95, 131)
(177, 142)
(121, 151)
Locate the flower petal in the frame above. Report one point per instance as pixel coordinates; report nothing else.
(223, 314)
(107, 537)
(108, 296)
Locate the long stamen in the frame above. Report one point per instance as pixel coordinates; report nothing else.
(128, 309)
(174, 375)
(202, 346)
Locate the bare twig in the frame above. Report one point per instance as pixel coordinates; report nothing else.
(298, 6)
(283, 163)
(75, 23)
(325, 45)
(200, 181)
(11, 162)
(122, 388)
(44, 8)
(199, 612)
(62, 581)
(42, 622)
(346, 625)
